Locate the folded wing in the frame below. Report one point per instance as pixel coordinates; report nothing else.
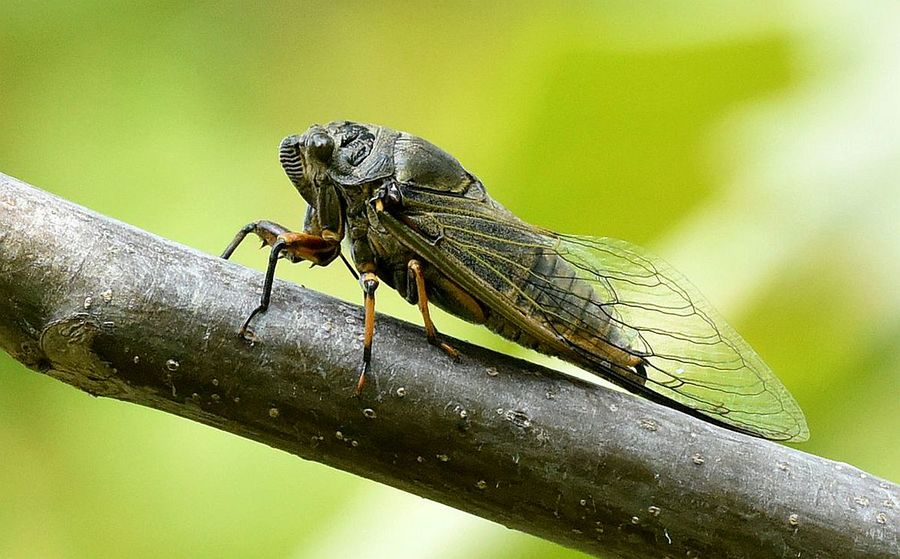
(610, 307)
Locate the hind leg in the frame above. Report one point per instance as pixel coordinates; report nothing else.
(416, 288)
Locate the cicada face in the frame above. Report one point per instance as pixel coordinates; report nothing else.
(340, 154)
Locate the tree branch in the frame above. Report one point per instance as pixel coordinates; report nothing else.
(118, 312)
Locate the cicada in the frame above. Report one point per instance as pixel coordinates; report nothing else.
(414, 218)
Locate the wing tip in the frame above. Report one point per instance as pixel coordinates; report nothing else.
(802, 434)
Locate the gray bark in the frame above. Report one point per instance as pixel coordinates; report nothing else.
(121, 313)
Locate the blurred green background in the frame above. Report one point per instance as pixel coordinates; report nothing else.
(756, 147)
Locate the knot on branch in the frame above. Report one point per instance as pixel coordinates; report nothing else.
(67, 345)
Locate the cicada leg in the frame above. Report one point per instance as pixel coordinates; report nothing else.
(317, 249)
(415, 276)
(296, 247)
(370, 284)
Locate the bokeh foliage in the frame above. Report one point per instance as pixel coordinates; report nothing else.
(755, 147)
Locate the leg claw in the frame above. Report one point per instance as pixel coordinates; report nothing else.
(451, 351)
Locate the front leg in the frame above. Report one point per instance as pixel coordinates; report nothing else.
(318, 249)
(295, 246)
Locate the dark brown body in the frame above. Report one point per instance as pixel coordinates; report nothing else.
(416, 220)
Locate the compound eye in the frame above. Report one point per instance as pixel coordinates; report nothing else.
(320, 146)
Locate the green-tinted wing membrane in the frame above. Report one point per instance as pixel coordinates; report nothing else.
(612, 308)
(691, 354)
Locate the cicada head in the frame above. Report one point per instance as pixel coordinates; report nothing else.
(305, 159)
(340, 153)
(352, 153)
(327, 165)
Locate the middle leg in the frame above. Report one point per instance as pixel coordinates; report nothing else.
(370, 284)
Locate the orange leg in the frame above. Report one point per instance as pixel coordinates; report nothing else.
(370, 284)
(317, 249)
(415, 270)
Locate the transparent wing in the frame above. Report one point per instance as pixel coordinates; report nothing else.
(616, 310)
(691, 354)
